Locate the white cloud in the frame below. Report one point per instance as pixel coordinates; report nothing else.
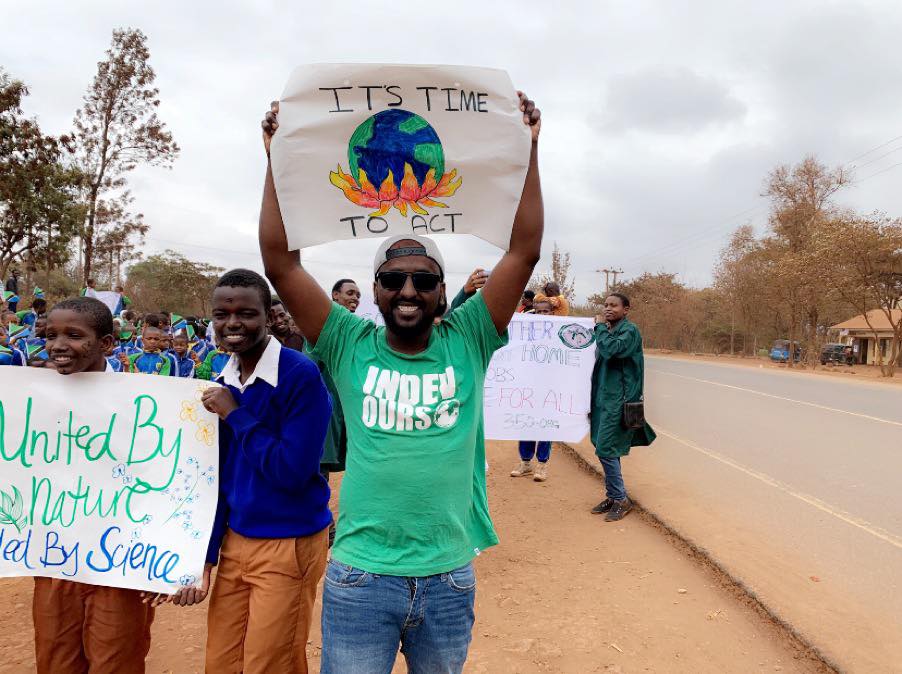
(661, 119)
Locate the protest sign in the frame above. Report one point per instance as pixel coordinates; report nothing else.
(110, 298)
(378, 150)
(538, 386)
(108, 480)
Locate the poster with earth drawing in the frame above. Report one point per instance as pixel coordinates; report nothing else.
(379, 150)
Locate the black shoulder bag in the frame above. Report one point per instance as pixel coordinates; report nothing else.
(634, 414)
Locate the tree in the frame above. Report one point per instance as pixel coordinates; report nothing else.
(864, 258)
(741, 281)
(560, 274)
(39, 207)
(173, 283)
(116, 129)
(801, 205)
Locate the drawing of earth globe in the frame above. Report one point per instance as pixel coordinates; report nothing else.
(388, 140)
(446, 413)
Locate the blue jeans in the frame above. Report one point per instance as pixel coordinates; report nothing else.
(367, 616)
(613, 478)
(541, 449)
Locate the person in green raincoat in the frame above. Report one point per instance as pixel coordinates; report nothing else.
(616, 379)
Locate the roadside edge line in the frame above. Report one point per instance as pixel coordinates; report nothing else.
(703, 555)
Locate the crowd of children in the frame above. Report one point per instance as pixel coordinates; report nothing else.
(154, 343)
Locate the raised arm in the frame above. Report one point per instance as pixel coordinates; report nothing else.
(307, 303)
(505, 286)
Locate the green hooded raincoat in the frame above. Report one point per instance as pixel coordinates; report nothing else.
(617, 378)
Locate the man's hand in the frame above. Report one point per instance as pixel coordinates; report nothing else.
(219, 400)
(532, 116)
(126, 363)
(270, 123)
(193, 356)
(476, 280)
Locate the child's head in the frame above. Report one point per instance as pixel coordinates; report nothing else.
(7, 317)
(241, 302)
(40, 326)
(39, 305)
(79, 331)
(180, 343)
(152, 339)
(543, 308)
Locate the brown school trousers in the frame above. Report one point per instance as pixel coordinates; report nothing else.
(262, 603)
(80, 628)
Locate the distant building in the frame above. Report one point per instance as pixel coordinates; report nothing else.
(861, 337)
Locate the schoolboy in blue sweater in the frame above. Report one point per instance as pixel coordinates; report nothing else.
(270, 534)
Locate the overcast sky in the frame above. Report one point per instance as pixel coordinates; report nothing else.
(660, 119)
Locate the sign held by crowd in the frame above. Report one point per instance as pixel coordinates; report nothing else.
(106, 480)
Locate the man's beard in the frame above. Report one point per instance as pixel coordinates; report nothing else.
(409, 331)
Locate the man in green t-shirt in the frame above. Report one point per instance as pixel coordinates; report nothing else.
(413, 511)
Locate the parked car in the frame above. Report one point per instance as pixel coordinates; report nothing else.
(779, 352)
(840, 354)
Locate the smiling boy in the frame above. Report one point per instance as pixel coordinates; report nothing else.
(270, 534)
(79, 627)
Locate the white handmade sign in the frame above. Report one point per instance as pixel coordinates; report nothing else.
(110, 298)
(538, 386)
(378, 150)
(106, 479)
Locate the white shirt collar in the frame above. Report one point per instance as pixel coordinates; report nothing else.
(267, 368)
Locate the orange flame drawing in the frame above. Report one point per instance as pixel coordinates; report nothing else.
(411, 194)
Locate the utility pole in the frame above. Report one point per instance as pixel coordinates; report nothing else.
(607, 277)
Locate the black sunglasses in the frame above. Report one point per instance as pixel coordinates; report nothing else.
(423, 281)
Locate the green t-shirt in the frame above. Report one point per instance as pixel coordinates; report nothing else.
(413, 499)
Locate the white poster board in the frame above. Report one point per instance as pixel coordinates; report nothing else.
(109, 298)
(105, 478)
(367, 150)
(538, 386)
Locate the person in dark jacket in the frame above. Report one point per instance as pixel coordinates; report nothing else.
(616, 379)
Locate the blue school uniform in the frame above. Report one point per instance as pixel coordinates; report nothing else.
(11, 356)
(184, 366)
(201, 347)
(29, 318)
(128, 348)
(153, 363)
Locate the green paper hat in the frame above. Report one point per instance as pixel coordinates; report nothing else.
(7, 294)
(38, 292)
(36, 350)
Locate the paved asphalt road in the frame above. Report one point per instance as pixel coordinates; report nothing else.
(794, 481)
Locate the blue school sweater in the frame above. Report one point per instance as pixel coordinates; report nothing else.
(269, 453)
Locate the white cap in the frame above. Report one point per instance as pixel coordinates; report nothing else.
(425, 247)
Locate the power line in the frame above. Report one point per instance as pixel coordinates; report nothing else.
(873, 149)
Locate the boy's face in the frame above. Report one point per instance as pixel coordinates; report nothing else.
(40, 327)
(613, 309)
(72, 343)
(347, 296)
(4, 336)
(542, 308)
(180, 345)
(239, 318)
(278, 319)
(152, 339)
